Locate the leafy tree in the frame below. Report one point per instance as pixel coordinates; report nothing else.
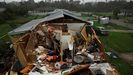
(116, 12)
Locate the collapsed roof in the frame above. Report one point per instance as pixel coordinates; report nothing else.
(57, 49)
(60, 13)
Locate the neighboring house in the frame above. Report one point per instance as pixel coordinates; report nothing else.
(104, 20)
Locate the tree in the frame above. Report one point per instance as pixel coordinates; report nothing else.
(116, 12)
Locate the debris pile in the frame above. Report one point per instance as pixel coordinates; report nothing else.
(61, 46)
(59, 50)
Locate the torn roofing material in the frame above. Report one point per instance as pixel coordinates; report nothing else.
(32, 24)
(26, 27)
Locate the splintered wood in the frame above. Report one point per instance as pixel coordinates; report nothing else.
(54, 48)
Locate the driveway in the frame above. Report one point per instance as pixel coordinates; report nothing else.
(121, 23)
(124, 31)
(128, 57)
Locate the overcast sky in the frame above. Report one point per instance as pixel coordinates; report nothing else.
(41, 0)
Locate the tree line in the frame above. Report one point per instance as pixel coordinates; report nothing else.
(22, 8)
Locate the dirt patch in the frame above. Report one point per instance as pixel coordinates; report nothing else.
(128, 57)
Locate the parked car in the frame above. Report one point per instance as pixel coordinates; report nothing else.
(102, 31)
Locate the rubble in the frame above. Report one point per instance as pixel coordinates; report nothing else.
(53, 47)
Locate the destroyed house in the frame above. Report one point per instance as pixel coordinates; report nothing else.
(59, 44)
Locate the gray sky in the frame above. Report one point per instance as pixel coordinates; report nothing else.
(40, 0)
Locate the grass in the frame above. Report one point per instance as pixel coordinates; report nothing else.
(84, 17)
(4, 29)
(97, 24)
(121, 42)
(90, 17)
(109, 26)
(103, 13)
(12, 24)
(121, 66)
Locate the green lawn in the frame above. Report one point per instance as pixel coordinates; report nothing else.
(4, 29)
(12, 24)
(109, 26)
(103, 13)
(123, 67)
(121, 42)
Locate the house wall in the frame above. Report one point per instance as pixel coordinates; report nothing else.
(21, 56)
(75, 26)
(72, 26)
(18, 50)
